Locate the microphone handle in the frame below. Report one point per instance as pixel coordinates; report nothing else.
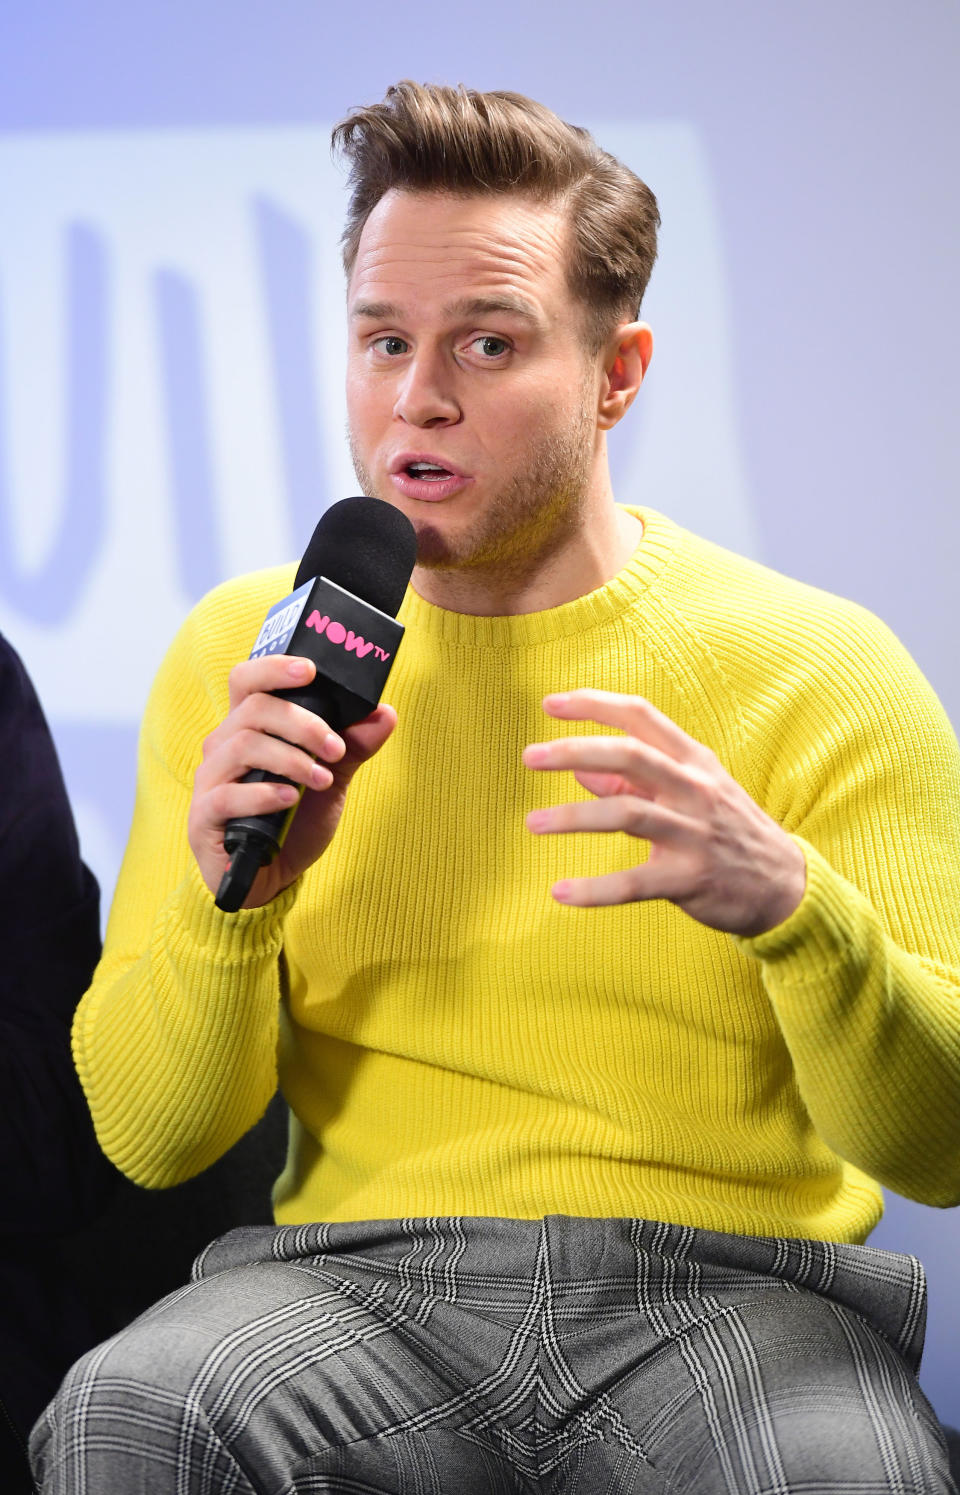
(252, 841)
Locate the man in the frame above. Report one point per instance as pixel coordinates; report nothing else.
(591, 1077)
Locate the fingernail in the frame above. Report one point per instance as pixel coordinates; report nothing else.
(333, 746)
(321, 777)
(537, 819)
(537, 753)
(561, 891)
(300, 669)
(288, 794)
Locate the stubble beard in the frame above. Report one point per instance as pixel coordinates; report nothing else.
(525, 522)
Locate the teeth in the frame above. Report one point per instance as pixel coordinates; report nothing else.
(426, 467)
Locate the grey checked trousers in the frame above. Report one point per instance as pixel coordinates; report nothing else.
(460, 1356)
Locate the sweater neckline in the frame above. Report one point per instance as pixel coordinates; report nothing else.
(657, 544)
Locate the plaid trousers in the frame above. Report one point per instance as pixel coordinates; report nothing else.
(426, 1357)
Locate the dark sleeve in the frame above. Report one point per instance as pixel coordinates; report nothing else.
(54, 1175)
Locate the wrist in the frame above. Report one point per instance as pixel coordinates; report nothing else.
(786, 893)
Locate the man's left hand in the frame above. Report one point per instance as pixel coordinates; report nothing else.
(713, 851)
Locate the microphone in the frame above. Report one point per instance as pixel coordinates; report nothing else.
(341, 615)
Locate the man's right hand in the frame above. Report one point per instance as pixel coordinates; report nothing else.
(261, 731)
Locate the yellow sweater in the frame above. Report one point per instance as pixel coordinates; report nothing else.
(452, 1041)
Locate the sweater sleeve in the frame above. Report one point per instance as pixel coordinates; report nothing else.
(864, 976)
(175, 1042)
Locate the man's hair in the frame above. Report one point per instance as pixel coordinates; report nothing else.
(433, 138)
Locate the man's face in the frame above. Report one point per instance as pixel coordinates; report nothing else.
(470, 390)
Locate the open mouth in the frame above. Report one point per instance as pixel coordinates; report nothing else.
(425, 479)
(427, 472)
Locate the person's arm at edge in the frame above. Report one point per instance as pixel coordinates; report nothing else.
(54, 1174)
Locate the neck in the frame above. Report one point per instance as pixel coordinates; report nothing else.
(592, 555)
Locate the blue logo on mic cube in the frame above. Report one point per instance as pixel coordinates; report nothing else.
(280, 623)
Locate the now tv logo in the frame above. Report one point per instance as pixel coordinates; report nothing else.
(338, 634)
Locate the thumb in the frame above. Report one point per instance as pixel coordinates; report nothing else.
(364, 739)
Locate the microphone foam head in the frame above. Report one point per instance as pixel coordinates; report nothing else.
(367, 547)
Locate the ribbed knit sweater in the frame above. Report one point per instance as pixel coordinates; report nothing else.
(451, 1040)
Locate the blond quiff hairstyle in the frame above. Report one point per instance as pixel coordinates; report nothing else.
(433, 138)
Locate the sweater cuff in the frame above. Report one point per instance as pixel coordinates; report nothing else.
(818, 935)
(246, 935)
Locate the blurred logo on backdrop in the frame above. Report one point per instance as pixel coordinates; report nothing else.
(171, 405)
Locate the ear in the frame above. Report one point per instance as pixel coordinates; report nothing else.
(625, 361)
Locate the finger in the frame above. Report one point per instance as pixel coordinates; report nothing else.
(271, 672)
(279, 718)
(604, 784)
(635, 885)
(628, 813)
(632, 714)
(249, 749)
(640, 764)
(367, 737)
(229, 801)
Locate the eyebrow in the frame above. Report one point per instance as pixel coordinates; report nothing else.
(473, 306)
(481, 306)
(376, 311)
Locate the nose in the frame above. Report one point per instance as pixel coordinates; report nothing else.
(426, 396)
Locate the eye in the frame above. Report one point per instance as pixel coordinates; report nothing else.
(491, 347)
(390, 346)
